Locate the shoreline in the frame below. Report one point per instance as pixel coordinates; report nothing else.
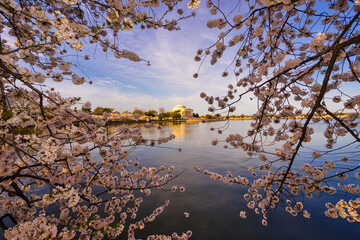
(116, 120)
(164, 121)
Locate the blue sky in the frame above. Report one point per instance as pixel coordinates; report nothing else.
(124, 85)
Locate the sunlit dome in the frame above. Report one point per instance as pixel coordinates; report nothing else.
(184, 111)
(179, 106)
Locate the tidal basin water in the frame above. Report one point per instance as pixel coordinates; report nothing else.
(214, 207)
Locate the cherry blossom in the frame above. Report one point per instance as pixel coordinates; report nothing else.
(54, 156)
(297, 60)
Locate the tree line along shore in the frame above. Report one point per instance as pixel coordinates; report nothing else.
(139, 115)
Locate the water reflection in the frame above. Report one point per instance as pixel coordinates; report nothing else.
(213, 206)
(182, 131)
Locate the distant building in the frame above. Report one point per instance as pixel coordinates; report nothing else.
(184, 111)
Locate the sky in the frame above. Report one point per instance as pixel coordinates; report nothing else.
(124, 85)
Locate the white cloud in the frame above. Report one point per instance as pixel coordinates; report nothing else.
(124, 100)
(123, 85)
(5, 36)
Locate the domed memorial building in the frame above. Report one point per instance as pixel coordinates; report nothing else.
(184, 111)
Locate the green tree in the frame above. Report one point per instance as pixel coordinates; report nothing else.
(209, 116)
(139, 111)
(101, 110)
(109, 110)
(164, 115)
(176, 115)
(151, 113)
(98, 111)
(87, 110)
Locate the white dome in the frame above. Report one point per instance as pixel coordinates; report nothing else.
(179, 106)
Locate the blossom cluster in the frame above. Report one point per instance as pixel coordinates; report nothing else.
(53, 155)
(348, 210)
(292, 63)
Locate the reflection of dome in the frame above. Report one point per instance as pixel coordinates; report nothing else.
(179, 106)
